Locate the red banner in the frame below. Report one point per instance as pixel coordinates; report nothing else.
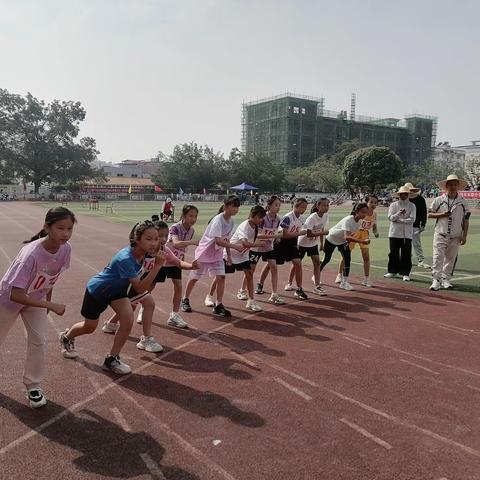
(470, 194)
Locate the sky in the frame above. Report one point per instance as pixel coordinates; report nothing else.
(155, 73)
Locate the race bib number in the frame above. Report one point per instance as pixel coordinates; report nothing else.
(43, 281)
(269, 232)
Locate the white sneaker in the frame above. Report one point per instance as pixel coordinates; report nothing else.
(149, 345)
(276, 299)
(253, 306)
(140, 315)
(422, 264)
(242, 295)
(345, 285)
(436, 285)
(406, 278)
(109, 327)
(446, 284)
(289, 287)
(319, 290)
(390, 275)
(115, 365)
(366, 283)
(339, 278)
(36, 397)
(209, 301)
(175, 320)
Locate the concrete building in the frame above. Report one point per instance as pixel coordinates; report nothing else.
(443, 152)
(132, 168)
(294, 130)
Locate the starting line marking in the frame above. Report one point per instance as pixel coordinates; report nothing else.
(120, 419)
(367, 434)
(356, 341)
(293, 389)
(419, 366)
(152, 467)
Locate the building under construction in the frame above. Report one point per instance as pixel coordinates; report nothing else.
(294, 130)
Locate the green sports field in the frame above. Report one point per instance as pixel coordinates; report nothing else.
(467, 273)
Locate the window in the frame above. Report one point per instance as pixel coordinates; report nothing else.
(303, 111)
(296, 109)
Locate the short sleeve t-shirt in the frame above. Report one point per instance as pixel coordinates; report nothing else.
(451, 226)
(243, 232)
(269, 226)
(113, 280)
(148, 262)
(292, 223)
(208, 251)
(316, 223)
(183, 235)
(337, 234)
(34, 270)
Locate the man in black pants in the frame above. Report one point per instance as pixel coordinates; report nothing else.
(419, 225)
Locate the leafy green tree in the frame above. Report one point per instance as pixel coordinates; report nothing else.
(371, 167)
(190, 167)
(323, 175)
(38, 141)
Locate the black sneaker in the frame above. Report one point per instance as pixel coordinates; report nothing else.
(299, 293)
(113, 364)
(68, 346)
(259, 290)
(36, 397)
(185, 305)
(221, 311)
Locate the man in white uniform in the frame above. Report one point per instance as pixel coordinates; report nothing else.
(452, 215)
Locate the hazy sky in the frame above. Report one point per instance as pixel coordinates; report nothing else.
(152, 74)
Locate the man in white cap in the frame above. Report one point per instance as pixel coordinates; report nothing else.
(419, 224)
(401, 214)
(452, 215)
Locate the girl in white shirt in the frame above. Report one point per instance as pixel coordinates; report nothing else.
(339, 237)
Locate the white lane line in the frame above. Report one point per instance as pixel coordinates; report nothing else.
(288, 372)
(95, 383)
(419, 366)
(454, 330)
(356, 341)
(243, 359)
(120, 419)
(367, 434)
(194, 452)
(152, 467)
(473, 388)
(293, 389)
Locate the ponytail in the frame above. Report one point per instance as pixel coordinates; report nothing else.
(54, 215)
(41, 234)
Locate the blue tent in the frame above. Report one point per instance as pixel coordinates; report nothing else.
(244, 186)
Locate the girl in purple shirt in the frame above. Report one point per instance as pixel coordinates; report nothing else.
(26, 290)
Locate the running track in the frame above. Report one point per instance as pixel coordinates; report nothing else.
(381, 383)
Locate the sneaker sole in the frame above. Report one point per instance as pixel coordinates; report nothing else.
(111, 332)
(40, 404)
(321, 294)
(70, 355)
(172, 324)
(117, 372)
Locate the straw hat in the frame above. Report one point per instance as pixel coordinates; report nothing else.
(413, 190)
(404, 189)
(443, 183)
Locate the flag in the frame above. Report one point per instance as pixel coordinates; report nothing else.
(130, 189)
(204, 191)
(180, 191)
(158, 189)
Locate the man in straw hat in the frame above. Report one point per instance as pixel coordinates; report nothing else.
(452, 214)
(419, 223)
(401, 214)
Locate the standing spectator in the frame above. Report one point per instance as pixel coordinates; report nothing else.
(452, 216)
(401, 214)
(419, 225)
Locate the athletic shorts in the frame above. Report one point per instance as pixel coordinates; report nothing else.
(93, 307)
(212, 268)
(309, 251)
(265, 256)
(173, 272)
(237, 267)
(286, 250)
(361, 235)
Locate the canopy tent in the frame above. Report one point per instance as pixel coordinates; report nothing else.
(244, 186)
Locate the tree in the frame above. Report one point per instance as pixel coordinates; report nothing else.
(38, 140)
(323, 175)
(472, 169)
(371, 167)
(190, 167)
(257, 170)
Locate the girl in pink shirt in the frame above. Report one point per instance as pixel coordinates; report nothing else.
(26, 290)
